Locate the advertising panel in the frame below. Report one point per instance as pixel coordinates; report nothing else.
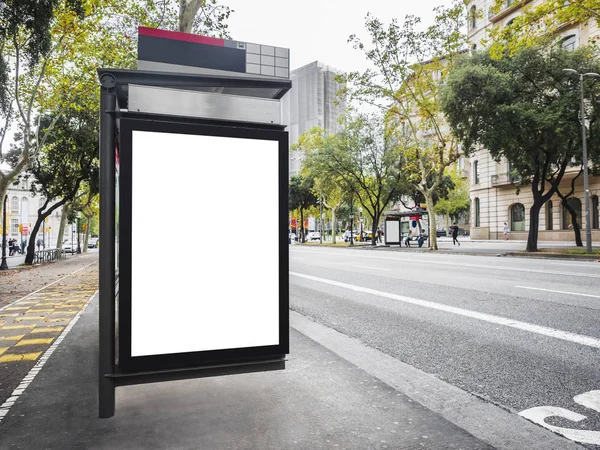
(201, 294)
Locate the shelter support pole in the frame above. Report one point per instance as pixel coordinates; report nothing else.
(106, 384)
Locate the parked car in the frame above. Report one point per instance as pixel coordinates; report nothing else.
(441, 232)
(347, 235)
(313, 236)
(68, 248)
(93, 242)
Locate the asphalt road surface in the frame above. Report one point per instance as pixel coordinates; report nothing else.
(520, 333)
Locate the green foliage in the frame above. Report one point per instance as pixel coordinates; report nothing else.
(526, 109)
(539, 24)
(360, 160)
(410, 66)
(456, 200)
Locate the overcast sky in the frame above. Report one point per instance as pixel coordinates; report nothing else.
(318, 29)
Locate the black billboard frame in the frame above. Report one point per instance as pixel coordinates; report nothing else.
(129, 364)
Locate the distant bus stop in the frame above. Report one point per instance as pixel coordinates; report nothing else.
(399, 224)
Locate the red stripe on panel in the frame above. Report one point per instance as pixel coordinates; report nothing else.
(176, 35)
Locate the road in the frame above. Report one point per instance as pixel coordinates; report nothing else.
(520, 333)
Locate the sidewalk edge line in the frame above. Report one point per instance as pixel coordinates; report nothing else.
(44, 287)
(485, 421)
(27, 379)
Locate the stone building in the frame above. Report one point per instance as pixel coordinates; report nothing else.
(494, 200)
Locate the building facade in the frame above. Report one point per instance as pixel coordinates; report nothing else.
(312, 102)
(494, 197)
(21, 210)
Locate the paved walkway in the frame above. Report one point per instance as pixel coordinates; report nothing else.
(31, 326)
(321, 401)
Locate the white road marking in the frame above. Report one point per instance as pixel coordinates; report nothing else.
(491, 318)
(428, 261)
(368, 267)
(590, 400)
(48, 285)
(558, 292)
(5, 407)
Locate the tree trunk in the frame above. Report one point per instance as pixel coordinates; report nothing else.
(447, 225)
(576, 227)
(31, 247)
(333, 226)
(534, 222)
(432, 226)
(374, 228)
(61, 227)
(187, 13)
(302, 226)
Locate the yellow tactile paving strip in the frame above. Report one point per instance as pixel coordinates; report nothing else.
(29, 327)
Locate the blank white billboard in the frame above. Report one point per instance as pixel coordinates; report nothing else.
(392, 231)
(205, 243)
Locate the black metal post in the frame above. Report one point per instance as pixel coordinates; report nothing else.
(321, 219)
(72, 243)
(4, 265)
(78, 242)
(106, 384)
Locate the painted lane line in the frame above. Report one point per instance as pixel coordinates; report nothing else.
(374, 268)
(44, 287)
(491, 318)
(426, 261)
(558, 292)
(5, 407)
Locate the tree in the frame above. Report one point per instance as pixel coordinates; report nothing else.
(524, 108)
(202, 16)
(363, 161)
(301, 197)
(539, 24)
(329, 187)
(456, 199)
(68, 159)
(410, 67)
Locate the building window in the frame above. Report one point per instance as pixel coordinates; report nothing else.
(42, 201)
(490, 13)
(14, 226)
(509, 2)
(569, 42)
(477, 213)
(549, 212)
(476, 172)
(517, 217)
(473, 16)
(575, 204)
(14, 205)
(595, 213)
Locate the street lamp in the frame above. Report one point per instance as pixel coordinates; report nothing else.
(586, 187)
(360, 220)
(4, 265)
(78, 242)
(351, 220)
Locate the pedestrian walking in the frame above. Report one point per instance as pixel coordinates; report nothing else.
(11, 247)
(39, 244)
(379, 233)
(455, 235)
(23, 245)
(506, 230)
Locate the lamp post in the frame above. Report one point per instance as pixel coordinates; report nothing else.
(360, 221)
(78, 242)
(4, 265)
(586, 187)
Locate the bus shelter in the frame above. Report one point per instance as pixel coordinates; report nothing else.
(398, 225)
(176, 151)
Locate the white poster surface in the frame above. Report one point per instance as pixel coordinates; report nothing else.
(204, 277)
(392, 231)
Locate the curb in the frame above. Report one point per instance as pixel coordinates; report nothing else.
(541, 255)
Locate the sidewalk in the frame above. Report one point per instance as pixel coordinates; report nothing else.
(320, 401)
